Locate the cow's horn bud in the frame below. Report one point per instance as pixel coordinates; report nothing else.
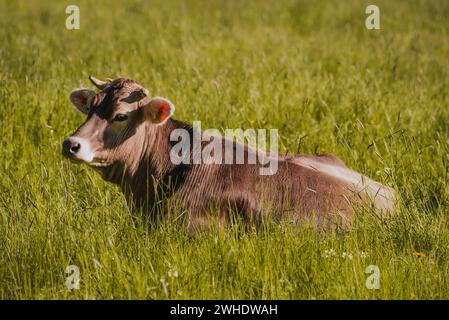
(98, 83)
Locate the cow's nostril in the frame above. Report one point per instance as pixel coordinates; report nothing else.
(70, 147)
(74, 148)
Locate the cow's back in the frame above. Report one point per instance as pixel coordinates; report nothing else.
(366, 189)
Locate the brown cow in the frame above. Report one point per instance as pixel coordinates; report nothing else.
(126, 138)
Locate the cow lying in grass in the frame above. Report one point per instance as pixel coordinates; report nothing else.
(126, 138)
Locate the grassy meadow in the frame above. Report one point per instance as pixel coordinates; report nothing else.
(378, 99)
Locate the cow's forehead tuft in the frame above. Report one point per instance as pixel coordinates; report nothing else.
(104, 101)
(120, 83)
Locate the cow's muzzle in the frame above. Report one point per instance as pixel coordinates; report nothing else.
(77, 149)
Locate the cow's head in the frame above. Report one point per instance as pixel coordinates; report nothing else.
(116, 116)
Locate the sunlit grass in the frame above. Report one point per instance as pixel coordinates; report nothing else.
(377, 99)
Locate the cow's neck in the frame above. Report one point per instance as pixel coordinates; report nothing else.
(147, 172)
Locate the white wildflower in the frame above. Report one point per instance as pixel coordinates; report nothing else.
(363, 255)
(347, 255)
(329, 253)
(173, 274)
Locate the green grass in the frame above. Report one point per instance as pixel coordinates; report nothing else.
(377, 99)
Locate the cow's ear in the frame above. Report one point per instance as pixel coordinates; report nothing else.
(158, 110)
(81, 99)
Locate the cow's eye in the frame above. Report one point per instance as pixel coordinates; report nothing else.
(120, 117)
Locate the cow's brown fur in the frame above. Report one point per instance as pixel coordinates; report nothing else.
(139, 162)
